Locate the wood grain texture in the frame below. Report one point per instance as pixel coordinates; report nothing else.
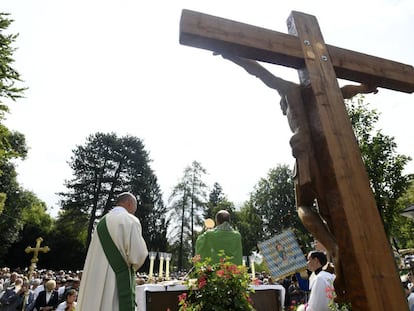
(230, 37)
(369, 270)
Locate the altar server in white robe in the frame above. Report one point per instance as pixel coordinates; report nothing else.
(319, 284)
(100, 286)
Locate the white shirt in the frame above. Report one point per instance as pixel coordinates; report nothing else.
(62, 306)
(48, 295)
(318, 299)
(410, 300)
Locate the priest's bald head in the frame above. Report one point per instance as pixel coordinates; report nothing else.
(222, 216)
(128, 201)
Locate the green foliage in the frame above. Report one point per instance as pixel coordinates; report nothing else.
(187, 205)
(383, 164)
(248, 223)
(273, 199)
(220, 287)
(12, 144)
(36, 222)
(3, 197)
(403, 230)
(103, 168)
(218, 201)
(68, 243)
(24, 216)
(10, 223)
(35, 212)
(8, 75)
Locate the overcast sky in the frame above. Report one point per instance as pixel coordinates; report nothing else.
(117, 66)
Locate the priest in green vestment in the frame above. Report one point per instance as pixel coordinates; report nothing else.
(222, 238)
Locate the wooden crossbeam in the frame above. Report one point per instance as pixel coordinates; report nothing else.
(230, 37)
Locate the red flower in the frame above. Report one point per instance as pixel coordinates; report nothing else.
(202, 282)
(220, 273)
(196, 258)
(182, 297)
(234, 269)
(330, 292)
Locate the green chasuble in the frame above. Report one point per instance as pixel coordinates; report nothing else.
(125, 275)
(222, 237)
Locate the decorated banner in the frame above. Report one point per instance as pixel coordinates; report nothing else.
(282, 254)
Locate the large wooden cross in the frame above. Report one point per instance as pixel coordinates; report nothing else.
(330, 170)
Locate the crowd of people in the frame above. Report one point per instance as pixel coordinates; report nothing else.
(63, 286)
(42, 290)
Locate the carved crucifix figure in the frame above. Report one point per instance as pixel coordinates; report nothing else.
(305, 173)
(317, 222)
(330, 170)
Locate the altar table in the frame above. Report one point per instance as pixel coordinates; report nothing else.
(156, 297)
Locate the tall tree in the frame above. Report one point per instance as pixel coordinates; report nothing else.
(383, 164)
(274, 199)
(249, 224)
(16, 227)
(8, 75)
(12, 144)
(218, 201)
(106, 166)
(188, 203)
(216, 195)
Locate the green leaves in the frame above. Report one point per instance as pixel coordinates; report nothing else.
(385, 167)
(8, 75)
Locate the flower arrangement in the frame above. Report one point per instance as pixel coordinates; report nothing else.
(334, 306)
(221, 287)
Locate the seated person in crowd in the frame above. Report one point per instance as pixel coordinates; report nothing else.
(70, 301)
(47, 299)
(14, 296)
(221, 238)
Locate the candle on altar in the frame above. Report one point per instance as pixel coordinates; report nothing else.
(152, 256)
(167, 265)
(161, 268)
(251, 260)
(244, 259)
